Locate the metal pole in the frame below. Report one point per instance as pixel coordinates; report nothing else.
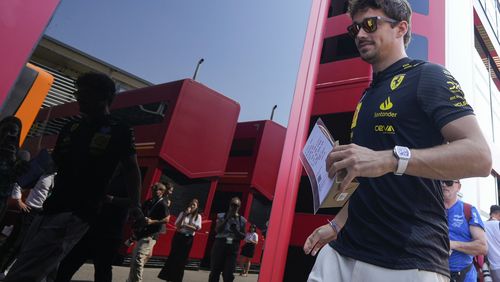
(197, 67)
(272, 112)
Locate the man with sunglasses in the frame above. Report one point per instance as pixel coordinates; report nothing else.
(467, 236)
(411, 126)
(230, 229)
(157, 215)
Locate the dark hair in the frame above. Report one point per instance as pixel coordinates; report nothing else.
(253, 226)
(159, 185)
(196, 212)
(100, 84)
(399, 10)
(11, 119)
(168, 185)
(494, 209)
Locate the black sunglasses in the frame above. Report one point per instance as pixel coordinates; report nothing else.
(368, 24)
(448, 182)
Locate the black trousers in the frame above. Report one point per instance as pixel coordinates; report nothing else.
(173, 270)
(223, 259)
(102, 252)
(14, 243)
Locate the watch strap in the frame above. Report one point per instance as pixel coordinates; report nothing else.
(402, 160)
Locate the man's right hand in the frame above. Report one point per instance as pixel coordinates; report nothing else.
(320, 237)
(22, 206)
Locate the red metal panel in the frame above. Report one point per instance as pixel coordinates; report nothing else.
(268, 158)
(21, 26)
(196, 134)
(66, 110)
(149, 138)
(246, 202)
(200, 132)
(344, 70)
(337, 25)
(342, 97)
(153, 174)
(304, 224)
(280, 224)
(210, 198)
(432, 26)
(163, 92)
(241, 162)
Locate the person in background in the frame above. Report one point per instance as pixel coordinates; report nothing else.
(163, 229)
(230, 230)
(29, 208)
(170, 190)
(467, 237)
(187, 223)
(86, 154)
(492, 227)
(12, 164)
(248, 250)
(157, 214)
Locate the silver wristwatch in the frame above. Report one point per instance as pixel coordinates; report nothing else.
(403, 155)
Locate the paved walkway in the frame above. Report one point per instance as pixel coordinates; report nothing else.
(120, 274)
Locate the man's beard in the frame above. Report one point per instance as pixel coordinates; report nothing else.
(369, 58)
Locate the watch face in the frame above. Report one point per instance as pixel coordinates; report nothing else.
(403, 152)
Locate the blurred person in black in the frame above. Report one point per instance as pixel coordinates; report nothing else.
(157, 214)
(230, 229)
(86, 154)
(187, 223)
(12, 164)
(104, 237)
(29, 208)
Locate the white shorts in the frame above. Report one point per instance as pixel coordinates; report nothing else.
(331, 266)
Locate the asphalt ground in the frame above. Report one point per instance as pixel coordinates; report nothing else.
(120, 273)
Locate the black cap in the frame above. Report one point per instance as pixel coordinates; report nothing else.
(494, 209)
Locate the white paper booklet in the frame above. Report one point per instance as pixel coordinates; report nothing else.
(324, 189)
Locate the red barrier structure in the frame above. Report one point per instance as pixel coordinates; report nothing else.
(21, 27)
(183, 131)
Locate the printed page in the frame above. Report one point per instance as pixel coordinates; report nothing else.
(313, 157)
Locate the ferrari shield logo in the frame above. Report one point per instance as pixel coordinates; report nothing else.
(396, 81)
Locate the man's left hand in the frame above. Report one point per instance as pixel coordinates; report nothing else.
(320, 237)
(356, 161)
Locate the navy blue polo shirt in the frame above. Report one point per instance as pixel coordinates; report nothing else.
(399, 222)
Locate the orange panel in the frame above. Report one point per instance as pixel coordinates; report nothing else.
(34, 99)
